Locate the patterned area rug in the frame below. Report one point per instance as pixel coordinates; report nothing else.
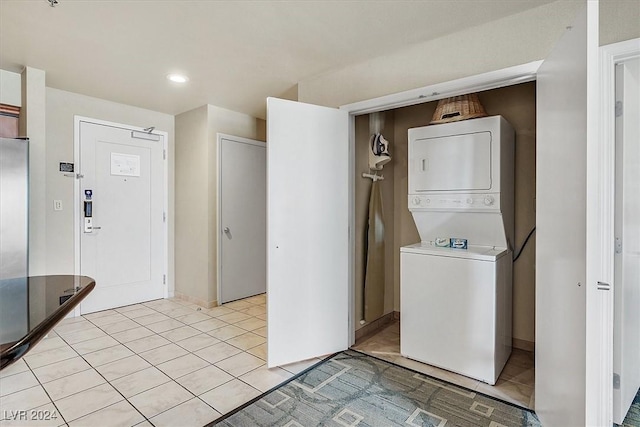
(633, 416)
(351, 388)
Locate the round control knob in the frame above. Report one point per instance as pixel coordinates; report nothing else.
(416, 200)
(488, 200)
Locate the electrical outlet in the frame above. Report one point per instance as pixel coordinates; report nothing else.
(57, 205)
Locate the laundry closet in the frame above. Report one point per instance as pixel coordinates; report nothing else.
(377, 331)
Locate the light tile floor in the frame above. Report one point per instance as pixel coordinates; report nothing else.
(161, 363)
(515, 384)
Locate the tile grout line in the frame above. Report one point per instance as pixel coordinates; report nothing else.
(171, 378)
(200, 332)
(175, 381)
(107, 382)
(210, 364)
(187, 390)
(47, 393)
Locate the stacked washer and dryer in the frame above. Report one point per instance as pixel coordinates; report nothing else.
(456, 284)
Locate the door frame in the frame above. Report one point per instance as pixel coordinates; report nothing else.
(600, 253)
(168, 285)
(240, 140)
(491, 80)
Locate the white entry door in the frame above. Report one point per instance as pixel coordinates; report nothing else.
(307, 231)
(123, 248)
(242, 169)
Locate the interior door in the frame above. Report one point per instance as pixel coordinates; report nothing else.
(564, 99)
(122, 195)
(307, 231)
(626, 338)
(243, 217)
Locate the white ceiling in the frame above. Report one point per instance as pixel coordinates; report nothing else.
(236, 53)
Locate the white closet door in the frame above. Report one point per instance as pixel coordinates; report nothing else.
(564, 98)
(307, 231)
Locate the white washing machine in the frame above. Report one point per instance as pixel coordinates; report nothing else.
(456, 304)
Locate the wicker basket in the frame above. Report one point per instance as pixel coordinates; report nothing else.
(458, 108)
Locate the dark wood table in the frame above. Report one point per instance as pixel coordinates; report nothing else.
(31, 306)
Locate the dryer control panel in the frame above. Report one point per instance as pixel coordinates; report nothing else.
(488, 202)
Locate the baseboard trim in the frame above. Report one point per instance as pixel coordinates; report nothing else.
(198, 301)
(375, 325)
(523, 344)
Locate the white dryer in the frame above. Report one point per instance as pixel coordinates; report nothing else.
(456, 303)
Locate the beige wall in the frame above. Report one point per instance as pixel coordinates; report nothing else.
(61, 107)
(619, 20)
(514, 40)
(192, 250)
(517, 105)
(196, 195)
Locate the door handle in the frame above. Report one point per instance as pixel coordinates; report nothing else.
(227, 231)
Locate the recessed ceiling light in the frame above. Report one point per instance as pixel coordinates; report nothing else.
(178, 78)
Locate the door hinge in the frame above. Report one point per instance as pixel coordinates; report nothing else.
(618, 245)
(616, 381)
(602, 286)
(164, 154)
(164, 217)
(618, 108)
(164, 279)
(79, 176)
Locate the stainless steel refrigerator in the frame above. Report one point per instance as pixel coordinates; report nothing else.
(14, 236)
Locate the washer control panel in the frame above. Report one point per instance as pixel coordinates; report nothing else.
(465, 202)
